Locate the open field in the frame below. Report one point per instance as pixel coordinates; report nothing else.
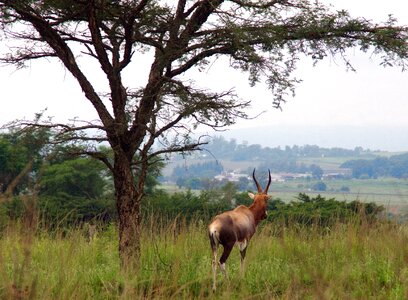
(390, 192)
(330, 163)
(347, 262)
(385, 191)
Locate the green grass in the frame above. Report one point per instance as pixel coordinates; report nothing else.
(347, 262)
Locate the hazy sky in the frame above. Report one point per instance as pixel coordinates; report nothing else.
(328, 96)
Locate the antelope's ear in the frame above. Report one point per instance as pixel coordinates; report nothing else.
(252, 196)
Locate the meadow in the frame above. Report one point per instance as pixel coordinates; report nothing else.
(392, 193)
(356, 260)
(383, 191)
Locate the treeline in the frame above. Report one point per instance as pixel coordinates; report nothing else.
(220, 148)
(200, 170)
(394, 166)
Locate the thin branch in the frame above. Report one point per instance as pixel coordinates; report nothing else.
(197, 58)
(97, 39)
(184, 148)
(259, 4)
(99, 156)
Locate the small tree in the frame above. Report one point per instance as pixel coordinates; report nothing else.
(263, 38)
(317, 172)
(319, 186)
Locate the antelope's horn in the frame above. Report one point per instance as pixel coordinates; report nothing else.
(256, 182)
(269, 182)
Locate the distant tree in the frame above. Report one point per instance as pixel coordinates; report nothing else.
(193, 183)
(258, 37)
(317, 172)
(345, 189)
(200, 170)
(360, 168)
(243, 183)
(180, 182)
(395, 166)
(220, 148)
(319, 186)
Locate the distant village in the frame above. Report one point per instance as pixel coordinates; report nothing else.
(234, 176)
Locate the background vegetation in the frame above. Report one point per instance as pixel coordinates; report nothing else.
(311, 245)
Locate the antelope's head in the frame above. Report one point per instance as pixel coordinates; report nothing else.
(260, 198)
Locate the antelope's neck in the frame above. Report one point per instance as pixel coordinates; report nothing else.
(259, 212)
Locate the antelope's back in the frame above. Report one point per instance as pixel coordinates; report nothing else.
(233, 226)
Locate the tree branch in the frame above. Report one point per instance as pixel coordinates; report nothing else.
(64, 53)
(97, 39)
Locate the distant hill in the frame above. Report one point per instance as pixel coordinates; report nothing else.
(377, 137)
(229, 155)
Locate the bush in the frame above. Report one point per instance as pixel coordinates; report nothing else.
(322, 212)
(319, 186)
(204, 206)
(67, 211)
(345, 189)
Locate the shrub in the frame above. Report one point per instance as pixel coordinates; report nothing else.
(319, 186)
(322, 212)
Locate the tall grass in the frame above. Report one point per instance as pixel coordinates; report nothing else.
(357, 261)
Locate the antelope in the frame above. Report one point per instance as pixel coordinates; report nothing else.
(236, 227)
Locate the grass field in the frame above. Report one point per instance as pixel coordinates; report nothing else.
(389, 192)
(348, 262)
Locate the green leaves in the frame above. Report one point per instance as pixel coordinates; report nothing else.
(321, 212)
(79, 177)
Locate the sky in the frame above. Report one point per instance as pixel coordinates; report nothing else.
(328, 97)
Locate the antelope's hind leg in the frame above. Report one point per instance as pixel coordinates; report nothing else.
(214, 247)
(224, 257)
(242, 250)
(214, 268)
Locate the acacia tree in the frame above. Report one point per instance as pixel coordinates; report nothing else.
(263, 38)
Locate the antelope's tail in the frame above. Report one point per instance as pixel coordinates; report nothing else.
(213, 235)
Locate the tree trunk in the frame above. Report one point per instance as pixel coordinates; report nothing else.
(128, 208)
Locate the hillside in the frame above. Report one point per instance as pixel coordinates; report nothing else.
(244, 157)
(294, 170)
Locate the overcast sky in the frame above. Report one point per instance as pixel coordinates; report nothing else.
(328, 96)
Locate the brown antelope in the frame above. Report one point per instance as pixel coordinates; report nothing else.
(236, 227)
